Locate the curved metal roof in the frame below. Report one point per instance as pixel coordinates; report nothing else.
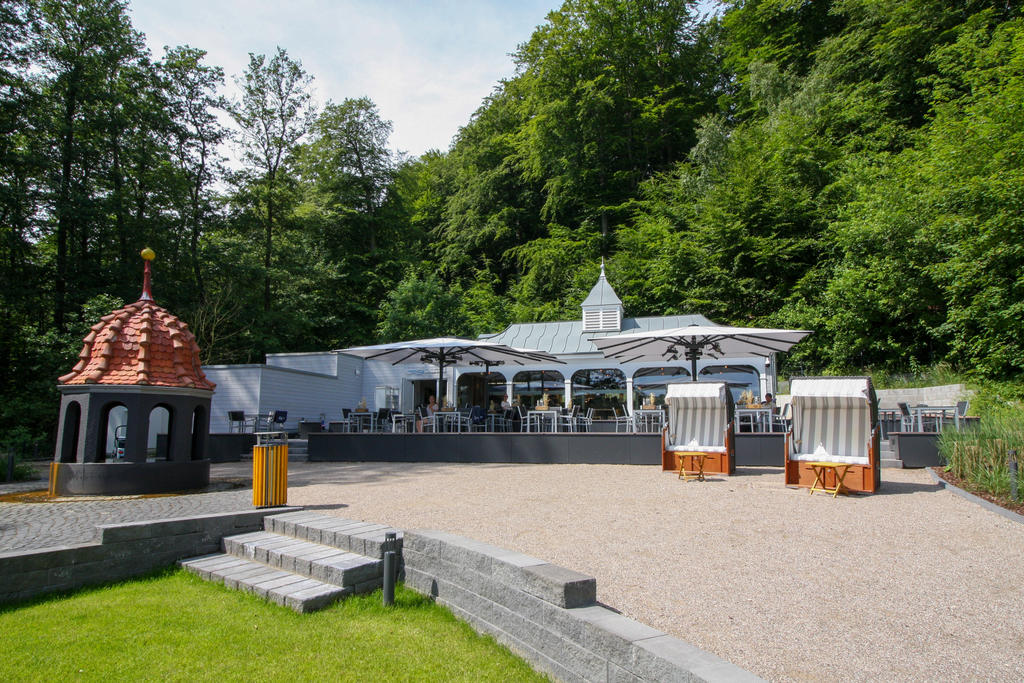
(566, 337)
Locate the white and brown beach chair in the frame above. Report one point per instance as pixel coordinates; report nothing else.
(700, 427)
(835, 420)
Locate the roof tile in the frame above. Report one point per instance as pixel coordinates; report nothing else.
(140, 344)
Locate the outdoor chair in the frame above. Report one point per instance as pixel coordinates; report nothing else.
(237, 421)
(699, 435)
(428, 423)
(780, 420)
(477, 419)
(567, 421)
(961, 413)
(585, 422)
(527, 422)
(402, 422)
(623, 420)
(461, 419)
(383, 419)
(510, 418)
(273, 421)
(835, 421)
(906, 417)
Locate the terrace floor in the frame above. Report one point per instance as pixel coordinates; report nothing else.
(912, 583)
(908, 584)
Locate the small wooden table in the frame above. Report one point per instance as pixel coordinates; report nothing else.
(838, 469)
(697, 474)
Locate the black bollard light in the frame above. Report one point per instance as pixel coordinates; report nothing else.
(390, 541)
(1013, 475)
(389, 578)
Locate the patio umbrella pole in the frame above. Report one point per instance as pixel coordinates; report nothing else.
(692, 355)
(440, 376)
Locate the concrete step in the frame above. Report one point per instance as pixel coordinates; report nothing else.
(891, 463)
(363, 538)
(311, 560)
(288, 589)
(302, 560)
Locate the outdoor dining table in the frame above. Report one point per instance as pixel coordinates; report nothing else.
(447, 421)
(759, 419)
(649, 420)
(343, 425)
(403, 422)
(363, 422)
(494, 420)
(547, 420)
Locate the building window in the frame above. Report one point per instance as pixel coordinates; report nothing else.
(647, 381)
(600, 389)
(385, 397)
(529, 386)
(478, 389)
(740, 378)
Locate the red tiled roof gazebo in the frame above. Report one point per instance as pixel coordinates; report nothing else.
(140, 358)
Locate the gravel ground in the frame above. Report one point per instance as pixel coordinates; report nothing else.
(912, 583)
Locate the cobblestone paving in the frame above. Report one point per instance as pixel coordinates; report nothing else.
(25, 526)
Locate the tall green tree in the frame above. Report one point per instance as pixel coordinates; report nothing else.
(273, 115)
(192, 88)
(420, 307)
(81, 47)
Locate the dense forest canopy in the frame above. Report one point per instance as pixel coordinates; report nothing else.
(847, 166)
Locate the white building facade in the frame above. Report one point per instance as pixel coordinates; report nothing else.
(311, 385)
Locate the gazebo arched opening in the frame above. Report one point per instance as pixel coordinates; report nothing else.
(114, 421)
(200, 427)
(70, 433)
(158, 441)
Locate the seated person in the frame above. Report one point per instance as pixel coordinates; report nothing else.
(505, 405)
(769, 401)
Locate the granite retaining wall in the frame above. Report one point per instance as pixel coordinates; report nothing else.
(549, 615)
(124, 551)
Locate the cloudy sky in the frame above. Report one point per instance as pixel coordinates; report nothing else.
(427, 65)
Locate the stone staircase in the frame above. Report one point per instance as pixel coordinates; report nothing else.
(886, 456)
(298, 450)
(302, 560)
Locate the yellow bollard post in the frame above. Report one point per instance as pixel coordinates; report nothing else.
(53, 479)
(270, 474)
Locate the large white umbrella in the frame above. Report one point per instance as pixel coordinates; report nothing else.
(446, 351)
(695, 341)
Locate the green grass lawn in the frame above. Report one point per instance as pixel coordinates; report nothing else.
(175, 626)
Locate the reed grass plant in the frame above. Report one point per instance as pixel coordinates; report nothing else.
(979, 454)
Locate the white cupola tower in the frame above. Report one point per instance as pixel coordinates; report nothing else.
(602, 309)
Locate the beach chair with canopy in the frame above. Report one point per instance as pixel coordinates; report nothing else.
(700, 420)
(835, 420)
